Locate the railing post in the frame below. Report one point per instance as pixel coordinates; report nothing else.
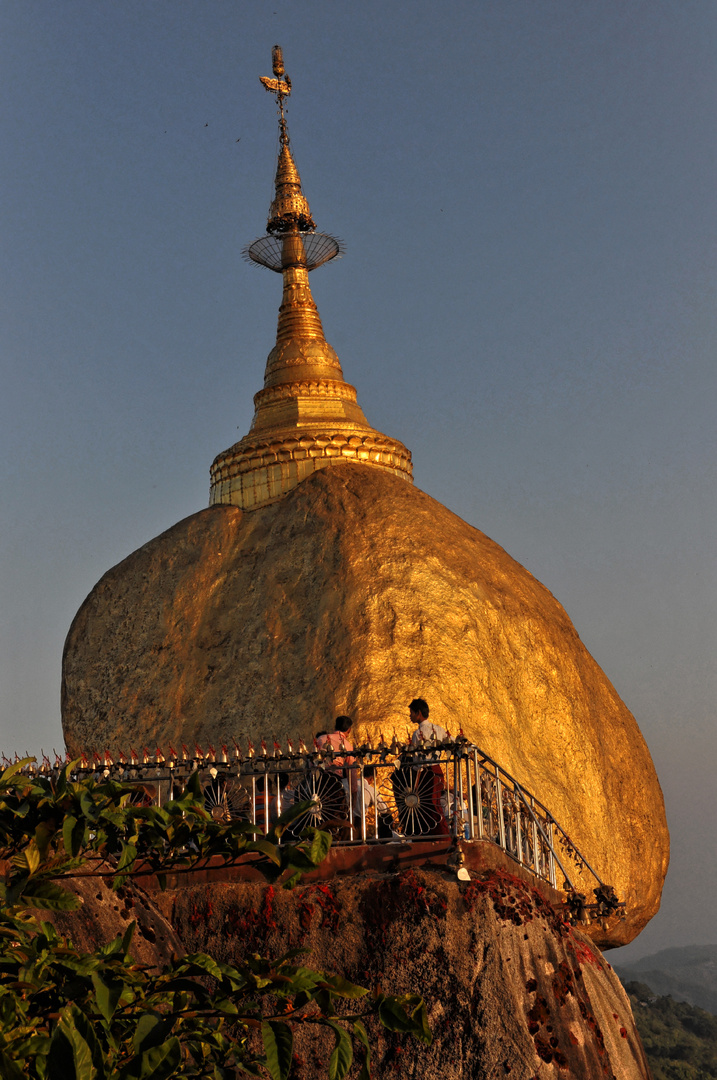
(348, 773)
(361, 792)
(499, 808)
(456, 780)
(375, 802)
(518, 828)
(551, 856)
(479, 793)
(536, 850)
(471, 822)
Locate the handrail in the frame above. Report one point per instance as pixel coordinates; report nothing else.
(395, 793)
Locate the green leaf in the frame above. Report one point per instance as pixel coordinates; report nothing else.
(406, 1014)
(295, 811)
(360, 1032)
(295, 858)
(124, 866)
(204, 963)
(32, 856)
(278, 1046)
(416, 1008)
(127, 858)
(342, 1055)
(43, 836)
(11, 770)
(226, 1006)
(151, 1031)
(70, 1056)
(161, 1062)
(73, 833)
(88, 805)
(46, 895)
(270, 850)
(108, 992)
(193, 795)
(302, 978)
(147, 1023)
(61, 783)
(60, 1062)
(86, 1031)
(293, 881)
(128, 935)
(9, 1069)
(343, 987)
(320, 846)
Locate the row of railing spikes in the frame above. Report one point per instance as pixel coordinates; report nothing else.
(225, 755)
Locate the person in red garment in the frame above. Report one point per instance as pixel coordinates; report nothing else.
(339, 740)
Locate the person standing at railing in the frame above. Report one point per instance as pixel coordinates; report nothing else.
(338, 741)
(428, 733)
(426, 730)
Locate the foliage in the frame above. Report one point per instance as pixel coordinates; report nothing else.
(65, 1015)
(52, 825)
(680, 1040)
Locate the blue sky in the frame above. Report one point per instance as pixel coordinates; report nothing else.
(526, 192)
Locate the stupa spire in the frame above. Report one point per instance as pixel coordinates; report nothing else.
(307, 416)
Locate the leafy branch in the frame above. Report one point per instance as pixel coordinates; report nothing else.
(68, 1015)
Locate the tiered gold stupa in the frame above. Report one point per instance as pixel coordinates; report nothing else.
(307, 417)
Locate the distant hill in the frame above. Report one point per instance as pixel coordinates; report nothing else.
(685, 974)
(680, 1040)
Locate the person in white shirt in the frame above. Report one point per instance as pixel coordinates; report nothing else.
(429, 733)
(426, 730)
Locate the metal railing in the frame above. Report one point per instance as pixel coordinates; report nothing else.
(366, 795)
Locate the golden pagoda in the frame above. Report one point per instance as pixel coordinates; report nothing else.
(307, 416)
(314, 586)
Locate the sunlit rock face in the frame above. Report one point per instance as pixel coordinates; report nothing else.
(355, 593)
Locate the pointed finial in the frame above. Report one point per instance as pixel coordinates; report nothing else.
(290, 210)
(306, 417)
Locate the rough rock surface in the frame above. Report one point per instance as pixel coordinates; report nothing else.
(356, 592)
(105, 914)
(511, 990)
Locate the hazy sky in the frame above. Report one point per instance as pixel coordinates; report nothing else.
(526, 191)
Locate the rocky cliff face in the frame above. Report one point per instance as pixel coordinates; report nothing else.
(356, 592)
(511, 990)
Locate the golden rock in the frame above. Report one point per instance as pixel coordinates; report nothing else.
(355, 593)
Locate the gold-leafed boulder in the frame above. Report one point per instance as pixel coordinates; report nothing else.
(354, 593)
